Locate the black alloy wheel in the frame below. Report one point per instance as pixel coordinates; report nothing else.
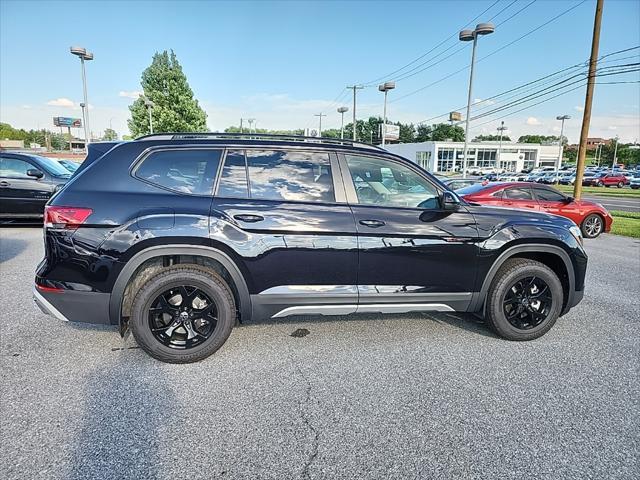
(527, 303)
(182, 317)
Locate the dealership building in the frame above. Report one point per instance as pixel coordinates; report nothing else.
(447, 156)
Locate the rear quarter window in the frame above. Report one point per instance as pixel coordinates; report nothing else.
(191, 171)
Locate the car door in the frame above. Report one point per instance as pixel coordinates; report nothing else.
(552, 201)
(413, 254)
(519, 197)
(21, 194)
(291, 229)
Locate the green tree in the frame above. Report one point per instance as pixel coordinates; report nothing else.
(491, 138)
(423, 133)
(110, 134)
(175, 109)
(538, 139)
(444, 131)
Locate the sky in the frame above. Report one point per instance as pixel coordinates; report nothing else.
(283, 62)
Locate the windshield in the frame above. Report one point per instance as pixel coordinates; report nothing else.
(51, 166)
(471, 189)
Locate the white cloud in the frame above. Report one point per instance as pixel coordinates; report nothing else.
(26, 107)
(532, 121)
(61, 102)
(612, 127)
(132, 94)
(578, 108)
(478, 102)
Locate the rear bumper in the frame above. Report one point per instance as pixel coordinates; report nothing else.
(74, 306)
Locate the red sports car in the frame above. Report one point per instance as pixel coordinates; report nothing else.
(592, 217)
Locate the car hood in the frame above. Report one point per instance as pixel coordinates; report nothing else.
(498, 217)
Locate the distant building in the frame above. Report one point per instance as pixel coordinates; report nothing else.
(592, 143)
(12, 144)
(447, 156)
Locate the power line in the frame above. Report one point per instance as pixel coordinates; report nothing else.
(373, 82)
(492, 53)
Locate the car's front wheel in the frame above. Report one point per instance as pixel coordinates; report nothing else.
(524, 300)
(592, 226)
(620, 184)
(183, 314)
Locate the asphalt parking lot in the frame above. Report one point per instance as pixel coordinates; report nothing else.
(411, 396)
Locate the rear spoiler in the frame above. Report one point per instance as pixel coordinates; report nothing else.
(94, 152)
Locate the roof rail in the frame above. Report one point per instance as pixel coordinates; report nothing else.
(259, 136)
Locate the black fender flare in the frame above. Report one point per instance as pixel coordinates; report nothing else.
(478, 301)
(117, 294)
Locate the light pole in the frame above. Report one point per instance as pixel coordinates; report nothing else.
(342, 111)
(615, 155)
(84, 122)
(467, 36)
(500, 129)
(84, 55)
(385, 87)
(251, 120)
(562, 118)
(320, 115)
(149, 104)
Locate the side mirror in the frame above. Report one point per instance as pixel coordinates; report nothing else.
(450, 202)
(34, 172)
(569, 199)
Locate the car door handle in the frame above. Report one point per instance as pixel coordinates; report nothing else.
(372, 223)
(249, 218)
(4, 184)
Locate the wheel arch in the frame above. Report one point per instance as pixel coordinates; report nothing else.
(551, 255)
(156, 255)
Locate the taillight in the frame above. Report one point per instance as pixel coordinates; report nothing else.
(68, 218)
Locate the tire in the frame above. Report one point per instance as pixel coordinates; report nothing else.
(195, 280)
(599, 184)
(635, 187)
(592, 226)
(508, 276)
(620, 184)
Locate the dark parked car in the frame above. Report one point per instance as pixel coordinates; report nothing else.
(69, 165)
(27, 181)
(179, 236)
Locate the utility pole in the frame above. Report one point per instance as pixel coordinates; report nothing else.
(354, 88)
(320, 126)
(586, 117)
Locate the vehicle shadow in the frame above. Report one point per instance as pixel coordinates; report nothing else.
(125, 410)
(463, 321)
(11, 247)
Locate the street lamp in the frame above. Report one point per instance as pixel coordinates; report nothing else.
(500, 129)
(342, 111)
(562, 118)
(84, 55)
(149, 104)
(385, 87)
(615, 156)
(84, 122)
(467, 36)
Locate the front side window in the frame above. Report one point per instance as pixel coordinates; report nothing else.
(518, 194)
(14, 168)
(549, 195)
(389, 184)
(290, 175)
(181, 170)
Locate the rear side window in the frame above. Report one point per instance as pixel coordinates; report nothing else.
(518, 194)
(181, 170)
(290, 175)
(14, 168)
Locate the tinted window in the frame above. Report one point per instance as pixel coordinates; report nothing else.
(385, 183)
(233, 182)
(14, 168)
(518, 194)
(289, 175)
(185, 171)
(549, 195)
(52, 166)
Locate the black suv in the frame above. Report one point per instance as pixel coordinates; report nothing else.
(180, 236)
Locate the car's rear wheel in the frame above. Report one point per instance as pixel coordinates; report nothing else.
(592, 226)
(524, 300)
(599, 184)
(183, 314)
(620, 184)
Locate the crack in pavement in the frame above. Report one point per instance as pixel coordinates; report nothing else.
(305, 419)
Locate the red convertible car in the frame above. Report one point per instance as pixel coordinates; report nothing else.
(592, 217)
